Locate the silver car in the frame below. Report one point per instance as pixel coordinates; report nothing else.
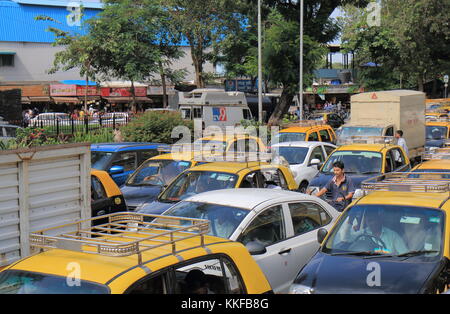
(278, 227)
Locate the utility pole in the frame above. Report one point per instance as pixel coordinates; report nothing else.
(300, 94)
(260, 116)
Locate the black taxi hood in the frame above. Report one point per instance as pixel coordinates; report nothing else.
(354, 274)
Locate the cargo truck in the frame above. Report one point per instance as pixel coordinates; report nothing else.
(383, 113)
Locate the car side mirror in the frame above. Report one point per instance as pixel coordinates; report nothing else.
(116, 170)
(315, 162)
(255, 248)
(321, 235)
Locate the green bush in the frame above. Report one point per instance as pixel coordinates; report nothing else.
(105, 135)
(155, 127)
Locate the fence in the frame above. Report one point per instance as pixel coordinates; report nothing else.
(64, 124)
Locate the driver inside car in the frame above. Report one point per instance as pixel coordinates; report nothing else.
(374, 236)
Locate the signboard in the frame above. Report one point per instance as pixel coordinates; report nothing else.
(158, 90)
(219, 113)
(63, 90)
(123, 91)
(240, 86)
(336, 89)
(92, 91)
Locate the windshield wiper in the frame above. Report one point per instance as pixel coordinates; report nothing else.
(361, 253)
(415, 253)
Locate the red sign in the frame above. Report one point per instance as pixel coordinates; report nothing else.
(92, 91)
(374, 96)
(123, 92)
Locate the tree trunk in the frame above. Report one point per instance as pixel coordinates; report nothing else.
(420, 83)
(86, 94)
(282, 107)
(198, 66)
(133, 93)
(163, 83)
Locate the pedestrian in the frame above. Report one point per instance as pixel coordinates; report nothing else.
(340, 186)
(401, 142)
(26, 118)
(118, 137)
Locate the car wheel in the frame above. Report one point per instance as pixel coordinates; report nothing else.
(303, 186)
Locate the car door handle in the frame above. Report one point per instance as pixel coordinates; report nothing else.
(284, 251)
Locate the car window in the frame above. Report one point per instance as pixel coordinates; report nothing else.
(9, 131)
(388, 163)
(398, 158)
(154, 285)
(390, 131)
(307, 217)
(274, 178)
(127, 160)
(317, 153)
(313, 137)
(253, 180)
(97, 190)
(247, 114)
(209, 276)
(325, 136)
(146, 154)
(329, 149)
(267, 228)
(197, 113)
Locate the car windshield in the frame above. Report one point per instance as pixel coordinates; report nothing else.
(360, 162)
(23, 282)
(289, 137)
(100, 160)
(436, 132)
(157, 172)
(360, 131)
(223, 219)
(194, 182)
(293, 155)
(316, 117)
(387, 230)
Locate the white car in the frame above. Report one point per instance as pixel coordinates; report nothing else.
(304, 158)
(49, 119)
(278, 227)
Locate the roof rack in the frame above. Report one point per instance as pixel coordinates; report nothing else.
(428, 182)
(436, 154)
(357, 139)
(304, 123)
(124, 234)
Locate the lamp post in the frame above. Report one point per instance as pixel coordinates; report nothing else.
(300, 93)
(260, 118)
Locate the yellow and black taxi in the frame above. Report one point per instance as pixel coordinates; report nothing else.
(331, 118)
(155, 174)
(437, 133)
(362, 161)
(217, 175)
(309, 131)
(130, 256)
(394, 239)
(235, 142)
(106, 197)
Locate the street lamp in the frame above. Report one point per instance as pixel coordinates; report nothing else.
(259, 65)
(300, 97)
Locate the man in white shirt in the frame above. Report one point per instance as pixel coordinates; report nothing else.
(401, 142)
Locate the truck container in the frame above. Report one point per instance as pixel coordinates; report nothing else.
(383, 113)
(41, 187)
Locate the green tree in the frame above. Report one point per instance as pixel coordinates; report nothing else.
(203, 24)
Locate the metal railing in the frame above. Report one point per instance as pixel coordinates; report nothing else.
(356, 139)
(124, 234)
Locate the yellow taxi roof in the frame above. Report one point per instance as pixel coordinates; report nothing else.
(229, 167)
(227, 137)
(443, 164)
(182, 155)
(301, 129)
(433, 200)
(101, 268)
(364, 147)
(437, 123)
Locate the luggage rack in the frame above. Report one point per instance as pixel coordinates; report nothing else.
(360, 139)
(124, 234)
(304, 123)
(244, 157)
(437, 154)
(428, 182)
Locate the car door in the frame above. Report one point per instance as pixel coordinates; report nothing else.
(399, 160)
(304, 220)
(268, 228)
(311, 171)
(313, 137)
(99, 199)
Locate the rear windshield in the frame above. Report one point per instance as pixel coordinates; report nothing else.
(24, 282)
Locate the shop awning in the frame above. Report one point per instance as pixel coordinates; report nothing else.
(40, 99)
(71, 100)
(26, 100)
(121, 100)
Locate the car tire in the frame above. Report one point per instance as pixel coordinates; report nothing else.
(303, 186)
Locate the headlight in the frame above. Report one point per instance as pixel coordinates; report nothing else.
(300, 289)
(358, 193)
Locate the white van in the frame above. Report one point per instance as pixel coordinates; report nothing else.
(7, 131)
(214, 107)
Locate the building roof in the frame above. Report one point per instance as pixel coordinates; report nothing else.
(18, 24)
